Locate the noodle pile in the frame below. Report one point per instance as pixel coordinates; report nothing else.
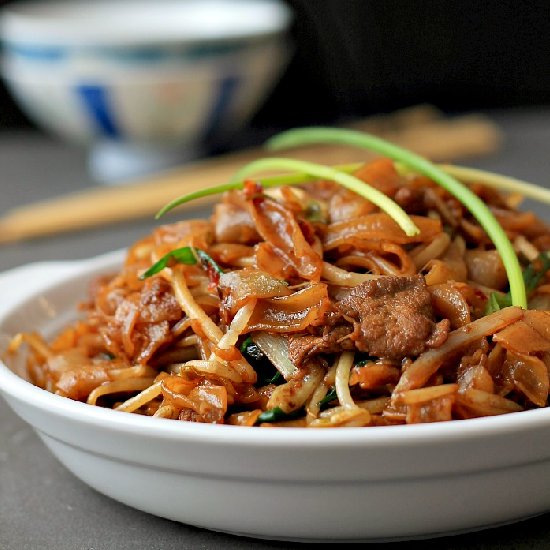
(308, 306)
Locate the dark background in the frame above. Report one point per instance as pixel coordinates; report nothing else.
(359, 57)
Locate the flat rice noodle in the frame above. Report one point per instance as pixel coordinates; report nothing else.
(229, 253)
(423, 253)
(437, 410)
(424, 395)
(427, 364)
(437, 201)
(279, 227)
(374, 375)
(449, 303)
(232, 220)
(522, 337)
(539, 301)
(292, 313)
(524, 223)
(374, 406)
(486, 268)
(474, 233)
(477, 377)
(197, 233)
(211, 402)
(176, 388)
(79, 382)
(438, 272)
(378, 227)
(370, 262)
(495, 359)
(454, 258)
(267, 260)
(530, 376)
(345, 205)
(451, 266)
(341, 277)
(476, 297)
(391, 260)
(475, 403)
(381, 174)
(240, 286)
(244, 418)
(540, 321)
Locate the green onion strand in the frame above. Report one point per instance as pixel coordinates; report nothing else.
(303, 136)
(271, 181)
(185, 255)
(462, 173)
(498, 181)
(346, 180)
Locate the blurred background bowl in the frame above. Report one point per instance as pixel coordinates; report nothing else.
(143, 85)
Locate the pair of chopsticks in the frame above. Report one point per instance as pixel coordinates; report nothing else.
(421, 129)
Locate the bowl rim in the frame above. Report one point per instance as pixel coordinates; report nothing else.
(12, 386)
(22, 24)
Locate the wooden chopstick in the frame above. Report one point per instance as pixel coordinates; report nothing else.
(421, 129)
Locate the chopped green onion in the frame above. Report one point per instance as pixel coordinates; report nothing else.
(271, 181)
(490, 179)
(475, 205)
(531, 277)
(266, 371)
(250, 348)
(314, 213)
(346, 180)
(278, 415)
(330, 396)
(208, 262)
(186, 255)
(497, 301)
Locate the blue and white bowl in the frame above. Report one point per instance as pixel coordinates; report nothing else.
(154, 80)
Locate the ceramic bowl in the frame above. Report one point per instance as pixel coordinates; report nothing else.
(144, 83)
(333, 484)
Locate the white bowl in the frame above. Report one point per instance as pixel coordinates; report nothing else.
(334, 484)
(166, 76)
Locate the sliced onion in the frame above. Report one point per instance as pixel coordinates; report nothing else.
(275, 348)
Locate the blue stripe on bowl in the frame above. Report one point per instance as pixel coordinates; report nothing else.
(125, 55)
(226, 92)
(36, 53)
(95, 100)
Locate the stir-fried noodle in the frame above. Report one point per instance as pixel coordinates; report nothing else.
(309, 306)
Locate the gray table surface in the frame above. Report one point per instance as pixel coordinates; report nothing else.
(42, 505)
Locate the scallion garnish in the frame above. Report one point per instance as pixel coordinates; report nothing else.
(186, 255)
(532, 276)
(304, 136)
(330, 396)
(346, 180)
(266, 371)
(270, 181)
(498, 181)
(462, 173)
(278, 415)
